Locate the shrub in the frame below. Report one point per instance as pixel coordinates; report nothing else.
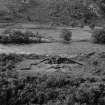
(18, 36)
(4, 39)
(29, 33)
(98, 36)
(91, 94)
(73, 24)
(7, 31)
(46, 89)
(38, 37)
(66, 35)
(82, 26)
(92, 26)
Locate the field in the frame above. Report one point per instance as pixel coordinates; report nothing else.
(52, 52)
(80, 42)
(53, 73)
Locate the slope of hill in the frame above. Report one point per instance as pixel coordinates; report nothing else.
(15, 10)
(44, 11)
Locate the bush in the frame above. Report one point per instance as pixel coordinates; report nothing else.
(14, 36)
(66, 35)
(90, 94)
(7, 31)
(18, 36)
(98, 36)
(46, 89)
(92, 26)
(82, 25)
(74, 24)
(29, 33)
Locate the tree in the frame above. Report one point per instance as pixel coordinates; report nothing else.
(101, 5)
(67, 10)
(17, 8)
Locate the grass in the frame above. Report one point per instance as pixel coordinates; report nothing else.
(80, 86)
(52, 88)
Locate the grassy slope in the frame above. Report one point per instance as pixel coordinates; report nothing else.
(81, 86)
(37, 13)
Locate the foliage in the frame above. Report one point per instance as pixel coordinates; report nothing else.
(101, 5)
(66, 10)
(58, 11)
(16, 7)
(92, 26)
(7, 31)
(89, 94)
(66, 35)
(47, 89)
(43, 89)
(7, 62)
(17, 36)
(98, 36)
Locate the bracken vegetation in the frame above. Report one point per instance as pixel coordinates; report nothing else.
(66, 35)
(92, 26)
(61, 12)
(18, 37)
(47, 89)
(75, 80)
(98, 36)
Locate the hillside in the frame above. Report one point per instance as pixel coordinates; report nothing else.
(62, 11)
(14, 10)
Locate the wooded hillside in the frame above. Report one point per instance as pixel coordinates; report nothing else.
(56, 11)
